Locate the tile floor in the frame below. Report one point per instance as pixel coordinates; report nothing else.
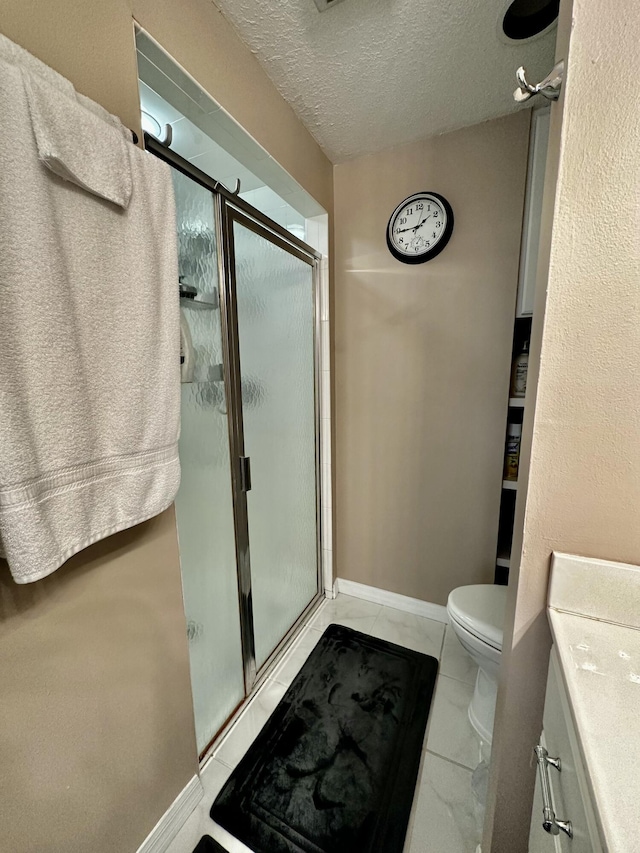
(444, 818)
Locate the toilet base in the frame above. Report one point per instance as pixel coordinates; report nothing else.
(482, 707)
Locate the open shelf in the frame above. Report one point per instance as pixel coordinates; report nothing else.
(522, 327)
(201, 301)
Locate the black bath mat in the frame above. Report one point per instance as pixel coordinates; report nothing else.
(334, 769)
(207, 844)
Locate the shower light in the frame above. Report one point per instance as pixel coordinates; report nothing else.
(150, 124)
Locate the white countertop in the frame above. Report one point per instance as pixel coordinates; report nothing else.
(599, 657)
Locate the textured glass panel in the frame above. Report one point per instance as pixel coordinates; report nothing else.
(276, 333)
(204, 504)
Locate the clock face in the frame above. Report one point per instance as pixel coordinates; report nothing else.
(420, 227)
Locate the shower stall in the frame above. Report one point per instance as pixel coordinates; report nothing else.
(248, 506)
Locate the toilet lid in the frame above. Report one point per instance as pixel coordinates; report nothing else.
(480, 609)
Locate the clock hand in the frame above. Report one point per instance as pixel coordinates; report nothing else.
(415, 228)
(423, 221)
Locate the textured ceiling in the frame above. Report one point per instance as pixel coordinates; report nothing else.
(370, 74)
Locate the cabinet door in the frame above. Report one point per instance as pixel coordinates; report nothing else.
(533, 211)
(568, 787)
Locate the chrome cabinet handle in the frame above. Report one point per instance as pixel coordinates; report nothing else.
(550, 823)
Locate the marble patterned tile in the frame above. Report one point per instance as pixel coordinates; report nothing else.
(295, 658)
(213, 776)
(406, 629)
(228, 842)
(347, 610)
(444, 818)
(456, 662)
(450, 733)
(245, 730)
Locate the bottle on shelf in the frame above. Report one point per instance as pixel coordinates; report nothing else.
(512, 452)
(519, 372)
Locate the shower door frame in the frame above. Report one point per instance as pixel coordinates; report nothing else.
(228, 211)
(229, 208)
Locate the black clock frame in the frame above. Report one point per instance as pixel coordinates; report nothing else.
(440, 245)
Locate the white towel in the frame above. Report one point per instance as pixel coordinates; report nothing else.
(77, 144)
(89, 323)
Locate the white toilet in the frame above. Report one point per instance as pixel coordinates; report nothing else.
(476, 615)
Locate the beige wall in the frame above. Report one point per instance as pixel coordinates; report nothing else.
(422, 358)
(583, 489)
(96, 720)
(96, 732)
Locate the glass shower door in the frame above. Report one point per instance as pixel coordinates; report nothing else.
(249, 554)
(204, 503)
(275, 319)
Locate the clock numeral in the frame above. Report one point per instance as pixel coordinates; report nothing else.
(428, 243)
(420, 206)
(428, 208)
(409, 211)
(403, 221)
(435, 212)
(401, 240)
(433, 236)
(438, 224)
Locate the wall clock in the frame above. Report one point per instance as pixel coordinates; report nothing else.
(420, 227)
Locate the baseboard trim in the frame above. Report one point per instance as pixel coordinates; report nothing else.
(174, 818)
(393, 599)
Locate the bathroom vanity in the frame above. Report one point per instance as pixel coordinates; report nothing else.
(588, 777)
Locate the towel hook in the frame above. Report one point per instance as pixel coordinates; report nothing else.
(549, 87)
(167, 136)
(235, 191)
(164, 134)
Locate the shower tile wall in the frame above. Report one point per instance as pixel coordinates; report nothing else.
(276, 208)
(194, 140)
(317, 235)
(325, 428)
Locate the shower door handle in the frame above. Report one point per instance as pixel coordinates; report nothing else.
(245, 473)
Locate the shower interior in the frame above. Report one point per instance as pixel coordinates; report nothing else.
(249, 531)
